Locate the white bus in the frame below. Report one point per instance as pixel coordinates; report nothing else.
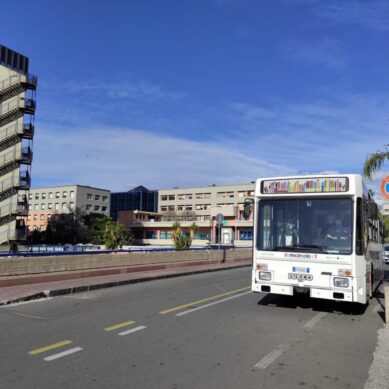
(319, 234)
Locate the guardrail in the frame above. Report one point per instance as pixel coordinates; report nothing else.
(32, 253)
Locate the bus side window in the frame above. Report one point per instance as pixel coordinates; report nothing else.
(359, 249)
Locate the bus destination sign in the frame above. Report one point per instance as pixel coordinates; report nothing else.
(305, 185)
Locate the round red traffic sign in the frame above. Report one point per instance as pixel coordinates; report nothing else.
(385, 188)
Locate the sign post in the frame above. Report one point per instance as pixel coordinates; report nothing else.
(219, 224)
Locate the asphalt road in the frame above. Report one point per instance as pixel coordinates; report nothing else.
(201, 331)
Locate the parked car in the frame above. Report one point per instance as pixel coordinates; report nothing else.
(386, 253)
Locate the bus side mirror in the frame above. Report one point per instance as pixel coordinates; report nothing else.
(247, 208)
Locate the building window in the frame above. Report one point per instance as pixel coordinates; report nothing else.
(104, 209)
(163, 198)
(30, 196)
(35, 207)
(203, 236)
(151, 234)
(35, 217)
(246, 235)
(36, 196)
(171, 208)
(105, 198)
(163, 209)
(57, 195)
(29, 217)
(183, 196)
(88, 207)
(49, 206)
(43, 196)
(50, 195)
(57, 206)
(49, 216)
(89, 196)
(172, 197)
(188, 208)
(165, 235)
(64, 194)
(43, 206)
(72, 194)
(97, 197)
(64, 206)
(42, 216)
(97, 207)
(71, 206)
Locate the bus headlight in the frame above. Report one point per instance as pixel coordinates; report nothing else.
(264, 275)
(341, 282)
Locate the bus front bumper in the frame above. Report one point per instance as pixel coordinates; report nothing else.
(339, 295)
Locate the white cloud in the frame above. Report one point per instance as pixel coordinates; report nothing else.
(126, 87)
(333, 134)
(118, 159)
(327, 52)
(373, 14)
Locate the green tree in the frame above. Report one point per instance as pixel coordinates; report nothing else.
(374, 163)
(181, 239)
(67, 228)
(95, 224)
(115, 235)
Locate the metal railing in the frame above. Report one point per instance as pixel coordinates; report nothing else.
(14, 208)
(58, 250)
(28, 79)
(18, 103)
(23, 180)
(24, 155)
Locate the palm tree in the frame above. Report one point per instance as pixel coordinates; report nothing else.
(374, 162)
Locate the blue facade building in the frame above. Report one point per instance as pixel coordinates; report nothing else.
(139, 198)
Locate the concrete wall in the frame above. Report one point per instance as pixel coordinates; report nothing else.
(50, 264)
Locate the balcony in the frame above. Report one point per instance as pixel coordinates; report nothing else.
(26, 155)
(15, 108)
(11, 134)
(16, 84)
(28, 130)
(29, 81)
(11, 160)
(169, 224)
(15, 209)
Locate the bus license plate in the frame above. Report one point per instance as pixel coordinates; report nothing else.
(296, 269)
(300, 276)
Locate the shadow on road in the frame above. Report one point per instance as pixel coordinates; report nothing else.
(306, 302)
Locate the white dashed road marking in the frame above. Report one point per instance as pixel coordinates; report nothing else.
(270, 358)
(311, 323)
(63, 354)
(211, 304)
(136, 329)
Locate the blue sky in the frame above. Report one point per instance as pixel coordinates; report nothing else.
(198, 92)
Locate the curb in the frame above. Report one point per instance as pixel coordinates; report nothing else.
(111, 284)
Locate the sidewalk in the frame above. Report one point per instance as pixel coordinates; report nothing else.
(13, 294)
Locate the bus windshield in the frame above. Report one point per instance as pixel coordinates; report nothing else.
(309, 224)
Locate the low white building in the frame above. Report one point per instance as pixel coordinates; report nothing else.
(44, 202)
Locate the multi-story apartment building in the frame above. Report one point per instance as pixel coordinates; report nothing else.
(45, 202)
(139, 198)
(204, 206)
(17, 109)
